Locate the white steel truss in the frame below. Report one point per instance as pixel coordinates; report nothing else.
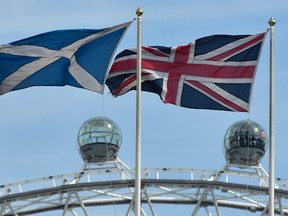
(112, 183)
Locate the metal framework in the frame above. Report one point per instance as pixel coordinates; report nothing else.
(112, 183)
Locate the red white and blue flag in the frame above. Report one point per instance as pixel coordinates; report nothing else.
(215, 72)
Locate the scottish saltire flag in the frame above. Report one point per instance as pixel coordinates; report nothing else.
(215, 72)
(79, 58)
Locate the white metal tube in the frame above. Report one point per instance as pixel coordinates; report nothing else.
(137, 195)
(271, 121)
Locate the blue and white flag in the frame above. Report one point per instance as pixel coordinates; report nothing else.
(79, 58)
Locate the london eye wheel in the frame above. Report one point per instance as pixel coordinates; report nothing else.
(104, 180)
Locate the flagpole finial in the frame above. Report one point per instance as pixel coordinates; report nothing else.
(272, 21)
(139, 12)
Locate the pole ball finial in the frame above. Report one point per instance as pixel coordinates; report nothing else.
(272, 21)
(139, 12)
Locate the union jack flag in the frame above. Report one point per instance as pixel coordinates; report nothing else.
(215, 72)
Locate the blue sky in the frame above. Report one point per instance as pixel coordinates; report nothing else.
(39, 125)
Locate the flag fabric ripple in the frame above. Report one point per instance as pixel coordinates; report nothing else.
(79, 58)
(215, 72)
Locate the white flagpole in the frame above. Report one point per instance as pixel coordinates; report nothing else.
(137, 195)
(271, 121)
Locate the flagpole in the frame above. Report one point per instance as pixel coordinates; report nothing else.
(137, 195)
(271, 121)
